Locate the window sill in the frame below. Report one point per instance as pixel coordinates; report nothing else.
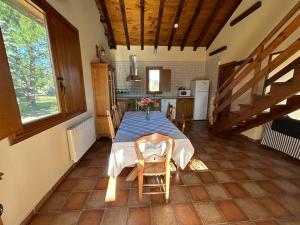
(39, 126)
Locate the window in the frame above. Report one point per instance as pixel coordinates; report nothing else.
(153, 80)
(41, 60)
(27, 48)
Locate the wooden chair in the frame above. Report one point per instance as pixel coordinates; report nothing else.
(115, 117)
(180, 123)
(111, 125)
(119, 109)
(154, 163)
(170, 112)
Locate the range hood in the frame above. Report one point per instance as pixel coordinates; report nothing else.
(133, 76)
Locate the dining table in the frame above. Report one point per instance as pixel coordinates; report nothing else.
(135, 125)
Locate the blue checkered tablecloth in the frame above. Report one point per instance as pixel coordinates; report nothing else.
(135, 125)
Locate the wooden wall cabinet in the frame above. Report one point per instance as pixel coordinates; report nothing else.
(185, 106)
(103, 79)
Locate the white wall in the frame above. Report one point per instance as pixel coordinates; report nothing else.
(33, 166)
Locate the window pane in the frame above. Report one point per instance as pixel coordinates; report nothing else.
(26, 42)
(154, 76)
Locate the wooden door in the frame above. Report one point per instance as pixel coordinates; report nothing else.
(225, 72)
(67, 57)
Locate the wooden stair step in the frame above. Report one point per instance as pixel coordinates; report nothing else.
(295, 99)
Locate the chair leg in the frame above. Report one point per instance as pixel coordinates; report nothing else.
(167, 182)
(140, 181)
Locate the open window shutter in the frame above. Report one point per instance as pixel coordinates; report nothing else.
(165, 80)
(67, 56)
(10, 120)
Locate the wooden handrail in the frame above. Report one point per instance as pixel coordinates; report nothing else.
(283, 71)
(267, 38)
(293, 48)
(292, 27)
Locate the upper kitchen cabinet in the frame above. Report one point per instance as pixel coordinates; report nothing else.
(158, 80)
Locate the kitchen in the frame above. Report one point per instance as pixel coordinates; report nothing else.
(134, 79)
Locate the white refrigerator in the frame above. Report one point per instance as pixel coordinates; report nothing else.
(200, 90)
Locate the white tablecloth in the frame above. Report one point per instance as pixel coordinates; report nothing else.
(135, 125)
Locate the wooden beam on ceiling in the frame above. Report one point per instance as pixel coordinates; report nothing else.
(237, 3)
(104, 18)
(160, 13)
(208, 23)
(246, 13)
(221, 49)
(124, 20)
(193, 20)
(142, 3)
(176, 21)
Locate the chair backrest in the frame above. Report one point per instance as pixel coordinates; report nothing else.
(181, 123)
(119, 111)
(110, 125)
(115, 116)
(170, 112)
(159, 148)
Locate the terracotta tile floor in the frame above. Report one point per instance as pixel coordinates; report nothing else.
(229, 181)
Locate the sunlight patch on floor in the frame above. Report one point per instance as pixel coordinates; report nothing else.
(196, 165)
(111, 190)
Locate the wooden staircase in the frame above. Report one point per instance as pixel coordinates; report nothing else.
(262, 106)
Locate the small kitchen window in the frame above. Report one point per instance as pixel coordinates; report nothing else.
(153, 80)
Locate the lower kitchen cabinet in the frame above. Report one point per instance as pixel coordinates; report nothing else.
(185, 106)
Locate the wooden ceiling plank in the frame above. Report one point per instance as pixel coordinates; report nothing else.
(142, 3)
(160, 13)
(176, 20)
(193, 20)
(124, 20)
(223, 23)
(246, 13)
(208, 23)
(106, 20)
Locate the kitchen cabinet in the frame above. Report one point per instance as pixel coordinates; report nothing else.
(185, 106)
(103, 79)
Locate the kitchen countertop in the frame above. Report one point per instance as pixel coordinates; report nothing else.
(156, 97)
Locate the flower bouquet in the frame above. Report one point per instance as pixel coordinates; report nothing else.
(146, 104)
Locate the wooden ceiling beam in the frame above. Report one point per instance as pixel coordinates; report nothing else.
(246, 13)
(237, 3)
(221, 49)
(104, 18)
(124, 20)
(176, 20)
(208, 23)
(142, 3)
(193, 20)
(160, 13)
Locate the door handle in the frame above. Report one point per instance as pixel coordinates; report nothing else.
(1, 209)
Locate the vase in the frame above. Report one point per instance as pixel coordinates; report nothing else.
(148, 113)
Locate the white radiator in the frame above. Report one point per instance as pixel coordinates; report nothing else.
(81, 137)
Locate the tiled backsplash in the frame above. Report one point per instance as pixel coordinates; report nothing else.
(182, 74)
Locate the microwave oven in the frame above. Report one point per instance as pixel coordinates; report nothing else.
(183, 93)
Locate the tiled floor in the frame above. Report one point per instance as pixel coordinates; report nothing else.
(229, 181)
